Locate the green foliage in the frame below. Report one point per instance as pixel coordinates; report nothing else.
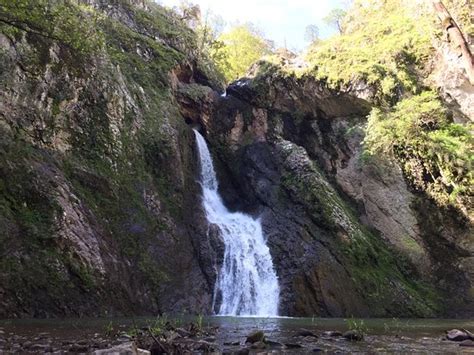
(63, 20)
(382, 46)
(357, 325)
(237, 49)
(436, 155)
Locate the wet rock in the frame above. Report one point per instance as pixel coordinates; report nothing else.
(77, 348)
(353, 335)
(183, 332)
(274, 344)
(171, 335)
(293, 346)
(467, 343)
(233, 343)
(42, 348)
(122, 349)
(458, 335)
(255, 337)
(27, 344)
(206, 346)
(332, 333)
(243, 351)
(259, 345)
(306, 333)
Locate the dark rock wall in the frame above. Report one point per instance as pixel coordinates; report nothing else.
(347, 234)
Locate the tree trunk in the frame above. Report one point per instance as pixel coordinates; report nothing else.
(455, 35)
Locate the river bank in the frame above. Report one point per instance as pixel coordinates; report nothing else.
(231, 335)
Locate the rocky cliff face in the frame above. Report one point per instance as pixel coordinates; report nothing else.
(99, 205)
(100, 210)
(348, 234)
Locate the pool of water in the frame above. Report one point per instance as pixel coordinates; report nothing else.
(381, 335)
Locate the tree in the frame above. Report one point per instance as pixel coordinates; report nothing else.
(455, 35)
(240, 48)
(189, 12)
(209, 30)
(311, 33)
(335, 18)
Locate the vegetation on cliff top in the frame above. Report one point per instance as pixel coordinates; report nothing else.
(241, 47)
(382, 46)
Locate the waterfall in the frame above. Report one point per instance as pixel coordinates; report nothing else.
(247, 283)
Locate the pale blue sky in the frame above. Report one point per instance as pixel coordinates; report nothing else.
(279, 19)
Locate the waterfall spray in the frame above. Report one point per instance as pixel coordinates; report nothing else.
(247, 283)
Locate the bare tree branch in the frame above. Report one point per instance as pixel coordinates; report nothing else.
(455, 35)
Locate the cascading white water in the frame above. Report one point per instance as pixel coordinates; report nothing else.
(247, 283)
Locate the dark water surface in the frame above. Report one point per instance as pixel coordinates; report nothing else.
(425, 336)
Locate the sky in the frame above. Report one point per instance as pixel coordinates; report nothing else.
(281, 20)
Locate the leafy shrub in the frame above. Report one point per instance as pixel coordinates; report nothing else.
(435, 154)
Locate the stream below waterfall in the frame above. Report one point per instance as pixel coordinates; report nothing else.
(425, 336)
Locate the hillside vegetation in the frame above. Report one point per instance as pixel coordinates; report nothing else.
(385, 53)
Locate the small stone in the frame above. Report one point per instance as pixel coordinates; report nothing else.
(123, 339)
(353, 335)
(77, 348)
(332, 333)
(306, 333)
(210, 339)
(316, 350)
(259, 345)
(255, 337)
(27, 344)
(232, 343)
(41, 348)
(274, 344)
(129, 348)
(293, 346)
(205, 346)
(183, 332)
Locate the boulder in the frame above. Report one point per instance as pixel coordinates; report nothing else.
(458, 335)
(255, 337)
